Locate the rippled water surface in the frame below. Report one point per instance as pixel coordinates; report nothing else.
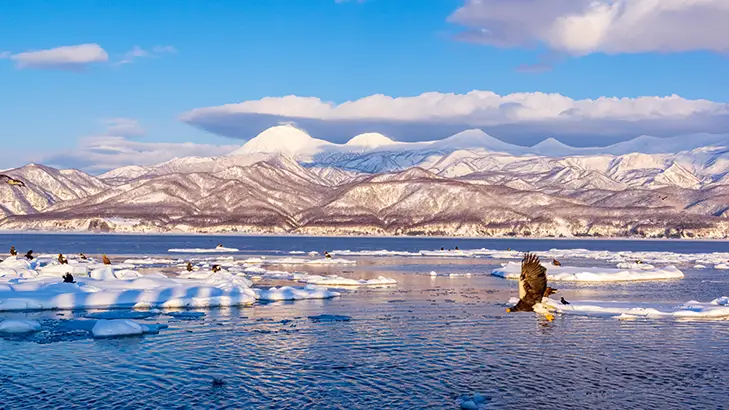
(419, 345)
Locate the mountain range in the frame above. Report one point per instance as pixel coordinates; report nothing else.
(469, 184)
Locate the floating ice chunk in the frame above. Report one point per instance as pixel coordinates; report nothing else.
(19, 326)
(203, 250)
(297, 253)
(299, 261)
(122, 327)
(721, 266)
(334, 280)
(512, 270)
(716, 309)
(699, 266)
(451, 275)
(635, 265)
(295, 293)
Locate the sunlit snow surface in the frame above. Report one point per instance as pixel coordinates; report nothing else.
(512, 270)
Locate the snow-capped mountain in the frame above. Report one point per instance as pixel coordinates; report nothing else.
(284, 180)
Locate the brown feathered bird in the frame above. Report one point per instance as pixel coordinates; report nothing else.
(68, 278)
(532, 287)
(62, 259)
(29, 255)
(555, 262)
(12, 181)
(82, 256)
(13, 252)
(216, 268)
(105, 259)
(189, 267)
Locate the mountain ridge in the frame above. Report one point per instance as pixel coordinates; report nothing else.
(375, 186)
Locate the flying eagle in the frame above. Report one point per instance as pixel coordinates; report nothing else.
(532, 287)
(12, 181)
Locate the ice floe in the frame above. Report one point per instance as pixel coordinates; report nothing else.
(451, 275)
(295, 293)
(106, 290)
(301, 261)
(715, 309)
(123, 327)
(19, 326)
(512, 270)
(336, 281)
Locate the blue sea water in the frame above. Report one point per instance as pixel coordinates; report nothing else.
(420, 345)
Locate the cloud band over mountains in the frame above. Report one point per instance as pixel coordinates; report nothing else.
(524, 118)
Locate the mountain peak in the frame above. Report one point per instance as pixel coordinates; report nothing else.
(283, 139)
(370, 140)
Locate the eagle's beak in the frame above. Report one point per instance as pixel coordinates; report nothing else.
(549, 317)
(508, 310)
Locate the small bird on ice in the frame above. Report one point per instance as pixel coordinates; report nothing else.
(13, 252)
(555, 262)
(105, 259)
(68, 278)
(62, 259)
(29, 255)
(532, 287)
(564, 302)
(189, 267)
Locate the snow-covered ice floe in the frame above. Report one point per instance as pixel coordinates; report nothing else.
(512, 270)
(295, 293)
(337, 281)
(716, 309)
(19, 326)
(106, 288)
(202, 250)
(123, 327)
(451, 275)
(301, 261)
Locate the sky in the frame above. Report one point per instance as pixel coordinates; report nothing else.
(96, 85)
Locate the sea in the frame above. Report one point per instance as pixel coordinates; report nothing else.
(430, 342)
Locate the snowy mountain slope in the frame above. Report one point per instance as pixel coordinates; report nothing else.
(45, 186)
(468, 184)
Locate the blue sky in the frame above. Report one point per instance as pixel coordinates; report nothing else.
(227, 52)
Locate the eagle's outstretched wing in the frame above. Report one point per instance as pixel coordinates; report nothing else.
(533, 278)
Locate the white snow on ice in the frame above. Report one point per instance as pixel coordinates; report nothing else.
(716, 309)
(512, 270)
(295, 293)
(122, 327)
(19, 326)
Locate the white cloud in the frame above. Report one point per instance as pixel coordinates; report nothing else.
(433, 115)
(138, 52)
(102, 153)
(123, 127)
(582, 27)
(66, 57)
(4, 54)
